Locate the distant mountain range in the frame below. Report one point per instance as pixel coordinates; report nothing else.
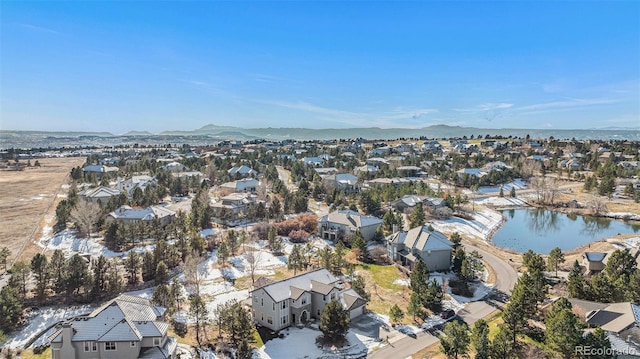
(213, 133)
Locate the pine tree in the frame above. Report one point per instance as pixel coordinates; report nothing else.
(132, 267)
(599, 342)
(358, 285)
(503, 345)
(564, 329)
(395, 314)
(296, 259)
(576, 284)
(359, 246)
(455, 341)
(40, 270)
(10, 309)
(223, 253)
(555, 258)
(417, 217)
(334, 322)
(480, 339)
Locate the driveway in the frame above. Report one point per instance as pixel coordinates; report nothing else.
(506, 278)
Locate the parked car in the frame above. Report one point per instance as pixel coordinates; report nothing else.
(447, 313)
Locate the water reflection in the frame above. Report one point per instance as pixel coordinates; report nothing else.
(542, 230)
(541, 221)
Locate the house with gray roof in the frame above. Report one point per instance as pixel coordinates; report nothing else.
(345, 182)
(242, 172)
(343, 224)
(594, 261)
(100, 194)
(127, 214)
(126, 327)
(99, 170)
(411, 200)
(245, 185)
(430, 246)
(295, 300)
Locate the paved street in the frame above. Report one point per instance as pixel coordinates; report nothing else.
(506, 277)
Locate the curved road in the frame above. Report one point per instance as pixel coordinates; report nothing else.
(506, 278)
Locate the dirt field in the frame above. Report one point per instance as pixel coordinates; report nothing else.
(27, 198)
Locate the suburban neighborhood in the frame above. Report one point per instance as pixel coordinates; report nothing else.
(381, 249)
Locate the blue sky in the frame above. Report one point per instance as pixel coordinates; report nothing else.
(157, 65)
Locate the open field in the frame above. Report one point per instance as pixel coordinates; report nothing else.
(27, 198)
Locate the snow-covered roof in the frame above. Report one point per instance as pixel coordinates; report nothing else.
(99, 192)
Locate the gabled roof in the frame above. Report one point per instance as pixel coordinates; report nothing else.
(125, 318)
(243, 170)
(422, 239)
(288, 288)
(143, 214)
(615, 317)
(123, 331)
(351, 300)
(99, 192)
(594, 256)
(351, 218)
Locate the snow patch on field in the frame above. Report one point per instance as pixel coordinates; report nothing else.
(501, 202)
(301, 343)
(68, 242)
(402, 282)
(481, 226)
(481, 290)
(40, 320)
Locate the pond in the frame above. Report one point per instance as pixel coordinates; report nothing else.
(542, 230)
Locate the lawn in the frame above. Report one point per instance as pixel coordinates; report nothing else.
(383, 275)
(28, 354)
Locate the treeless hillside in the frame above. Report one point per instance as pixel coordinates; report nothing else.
(27, 198)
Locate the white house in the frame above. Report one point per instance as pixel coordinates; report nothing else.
(295, 300)
(245, 185)
(242, 172)
(99, 194)
(127, 214)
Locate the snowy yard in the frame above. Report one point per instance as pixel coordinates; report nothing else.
(481, 226)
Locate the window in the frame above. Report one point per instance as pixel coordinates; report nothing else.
(284, 304)
(284, 320)
(261, 302)
(270, 320)
(274, 306)
(304, 300)
(133, 344)
(156, 342)
(324, 298)
(87, 346)
(110, 346)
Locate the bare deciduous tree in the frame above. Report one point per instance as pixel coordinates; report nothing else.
(194, 273)
(253, 258)
(597, 205)
(85, 215)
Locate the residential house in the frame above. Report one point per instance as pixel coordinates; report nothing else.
(313, 161)
(99, 170)
(233, 207)
(343, 224)
(173, 166)
(409, 171)
(126, 214)
(432, 247)
(130, 184)
(246, 185)
(126, 327)
(594, 261)
(326, 171)
(411, 200)
(345, 182)
(100, 194)
(475, 172)
(242, 172)
(621, 322)
(295, 300)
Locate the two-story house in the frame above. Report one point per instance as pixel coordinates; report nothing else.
(100, 194)
(126, 327)
(432, 247)
(344, 224)
(233, 207)
(295, 300)
(126, 214)
(345, 182)
(245, 185)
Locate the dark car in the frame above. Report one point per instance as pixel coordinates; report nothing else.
(447, 313)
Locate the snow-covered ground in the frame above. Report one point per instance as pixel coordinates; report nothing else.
(518, 184)
(67, 241)
(301, 343)
(501, 202)
(402, 281)
(40, 319)
(481, 226)
(480, 291)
